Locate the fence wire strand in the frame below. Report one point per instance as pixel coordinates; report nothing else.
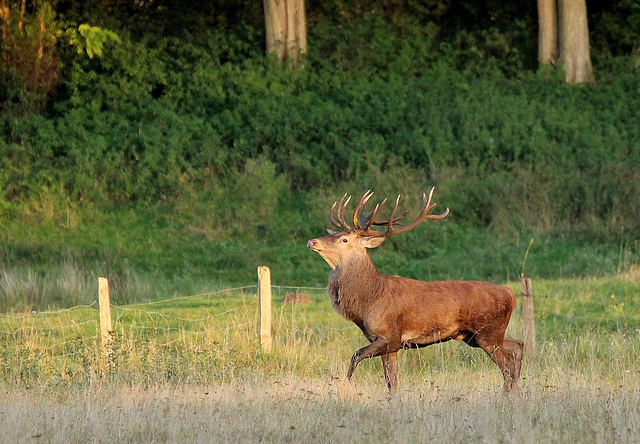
(200, 295)
(72, 335)
(46, 313)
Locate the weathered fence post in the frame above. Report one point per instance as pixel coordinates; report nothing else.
(104, 303)
(264, 310)
(529, 324)
(530, 350)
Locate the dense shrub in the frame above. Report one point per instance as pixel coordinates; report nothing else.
(179, 155)
(162, 118)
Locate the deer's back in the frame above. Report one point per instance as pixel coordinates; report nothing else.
(463, 305)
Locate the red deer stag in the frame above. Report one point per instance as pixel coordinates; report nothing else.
(399, 313)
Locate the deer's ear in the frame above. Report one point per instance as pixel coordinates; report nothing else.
(372, 242)
(332, 232)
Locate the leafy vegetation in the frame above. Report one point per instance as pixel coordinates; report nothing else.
(178, 158)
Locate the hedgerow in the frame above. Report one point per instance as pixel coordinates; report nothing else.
(158, 119)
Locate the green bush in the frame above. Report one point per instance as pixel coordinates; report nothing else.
(142, 124)
(217, 157)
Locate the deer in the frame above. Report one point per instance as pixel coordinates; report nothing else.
(397, 313)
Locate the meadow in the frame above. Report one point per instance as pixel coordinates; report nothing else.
(191, 368)
(180, 158)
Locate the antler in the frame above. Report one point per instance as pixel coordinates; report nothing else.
(363, 225)
(340, 223)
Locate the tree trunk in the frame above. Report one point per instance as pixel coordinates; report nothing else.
(22, 12)
(275, 17)
(296, 30)
(547, 32)
(574, 41)
(563, 36)
(286, 29)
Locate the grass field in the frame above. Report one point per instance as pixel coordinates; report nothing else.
(191, 369)
(295, 410)
(153, 254)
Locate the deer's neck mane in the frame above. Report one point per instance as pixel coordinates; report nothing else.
(354, 284)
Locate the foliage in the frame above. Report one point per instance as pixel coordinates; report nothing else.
(195, 136)
(90, 39)
(613, 27)
(524, 153)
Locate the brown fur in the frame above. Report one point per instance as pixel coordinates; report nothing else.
(398, 313)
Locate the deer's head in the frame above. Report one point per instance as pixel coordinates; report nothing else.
(338, 245)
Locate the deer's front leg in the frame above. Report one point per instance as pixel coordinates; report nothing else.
(378, 347)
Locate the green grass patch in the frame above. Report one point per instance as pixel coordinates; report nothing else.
(153, 253)
(212, 337)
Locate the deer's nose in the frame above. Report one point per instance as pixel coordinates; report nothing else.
(313, 244)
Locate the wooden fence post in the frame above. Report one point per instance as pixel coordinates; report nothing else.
(264, 310)
(104, 303)
(529, 324)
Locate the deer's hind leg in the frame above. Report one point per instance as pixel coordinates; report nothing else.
(390, 365)
(508, 357)
(514, 348)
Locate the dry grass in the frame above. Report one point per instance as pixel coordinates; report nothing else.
(191, 370)
(459, 409)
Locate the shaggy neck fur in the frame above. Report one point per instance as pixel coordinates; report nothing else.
(354, 284)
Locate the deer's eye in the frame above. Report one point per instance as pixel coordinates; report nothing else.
(345, 240)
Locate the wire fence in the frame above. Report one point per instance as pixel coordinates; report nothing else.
(198, 337)
(168, 321)
(81, 321)
(206, 333)
(211, 335)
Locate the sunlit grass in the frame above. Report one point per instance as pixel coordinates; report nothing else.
(182, 364)
(152, 253)
(212, 336)
(292, 409)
